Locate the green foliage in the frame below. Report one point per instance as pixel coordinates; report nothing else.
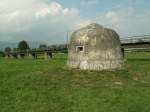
(53, 47)
(60, 47)
(23, 45)
(7, 49)
(49, 86)
(43, 46)
(15, 49)
(2, 54)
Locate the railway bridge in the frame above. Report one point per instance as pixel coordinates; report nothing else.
(47, 53)
(129, 44)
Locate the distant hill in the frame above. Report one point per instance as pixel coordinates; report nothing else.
(4, 44)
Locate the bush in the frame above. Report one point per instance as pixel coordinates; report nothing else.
(2, 54)
(23, 45)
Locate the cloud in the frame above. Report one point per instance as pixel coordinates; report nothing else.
(127, 22)
(35, 20)
(55, 9)
(89, 2)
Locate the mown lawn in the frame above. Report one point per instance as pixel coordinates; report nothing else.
(49, 86)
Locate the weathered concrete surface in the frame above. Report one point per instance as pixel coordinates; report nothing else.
(101, 49)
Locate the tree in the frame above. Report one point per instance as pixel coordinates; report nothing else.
(15, 49)
(7, 49)
(140, 40)
(62, 47)
(2, 54)
(43, 46)
(53, 47)
(23, 45)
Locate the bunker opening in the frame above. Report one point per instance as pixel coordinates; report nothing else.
(80, 48)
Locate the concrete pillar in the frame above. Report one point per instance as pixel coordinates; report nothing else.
(22, 55)
(29, 56)
(15, 56)
(19, 57)
(34, 55)
(11, 56)
(7, 56)
(47, 55)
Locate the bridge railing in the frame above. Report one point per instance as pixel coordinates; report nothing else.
(135, 39)
(132, 41)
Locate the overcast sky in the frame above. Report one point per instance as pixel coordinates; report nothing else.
(48, 21)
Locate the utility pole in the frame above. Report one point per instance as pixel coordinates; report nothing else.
(67, 39)
(68, 35)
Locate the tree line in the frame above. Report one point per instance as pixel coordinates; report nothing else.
(23, 45)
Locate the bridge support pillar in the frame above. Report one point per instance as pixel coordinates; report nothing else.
(11, 56)
(34, 56)
(14, 56)
(47, 55)
(7, 56)
(19, 57)
(30, 56)
(22, 55)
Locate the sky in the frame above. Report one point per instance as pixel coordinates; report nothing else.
(48, 21)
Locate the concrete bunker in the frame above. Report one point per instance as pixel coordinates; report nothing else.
(95, 48)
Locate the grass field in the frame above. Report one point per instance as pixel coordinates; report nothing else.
(48, 86)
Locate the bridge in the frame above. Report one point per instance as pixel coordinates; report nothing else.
(34, 53)
(134, 43)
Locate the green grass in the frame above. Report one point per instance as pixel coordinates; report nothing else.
(48, 86)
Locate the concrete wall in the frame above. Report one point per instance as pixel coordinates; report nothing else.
(102, 49)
